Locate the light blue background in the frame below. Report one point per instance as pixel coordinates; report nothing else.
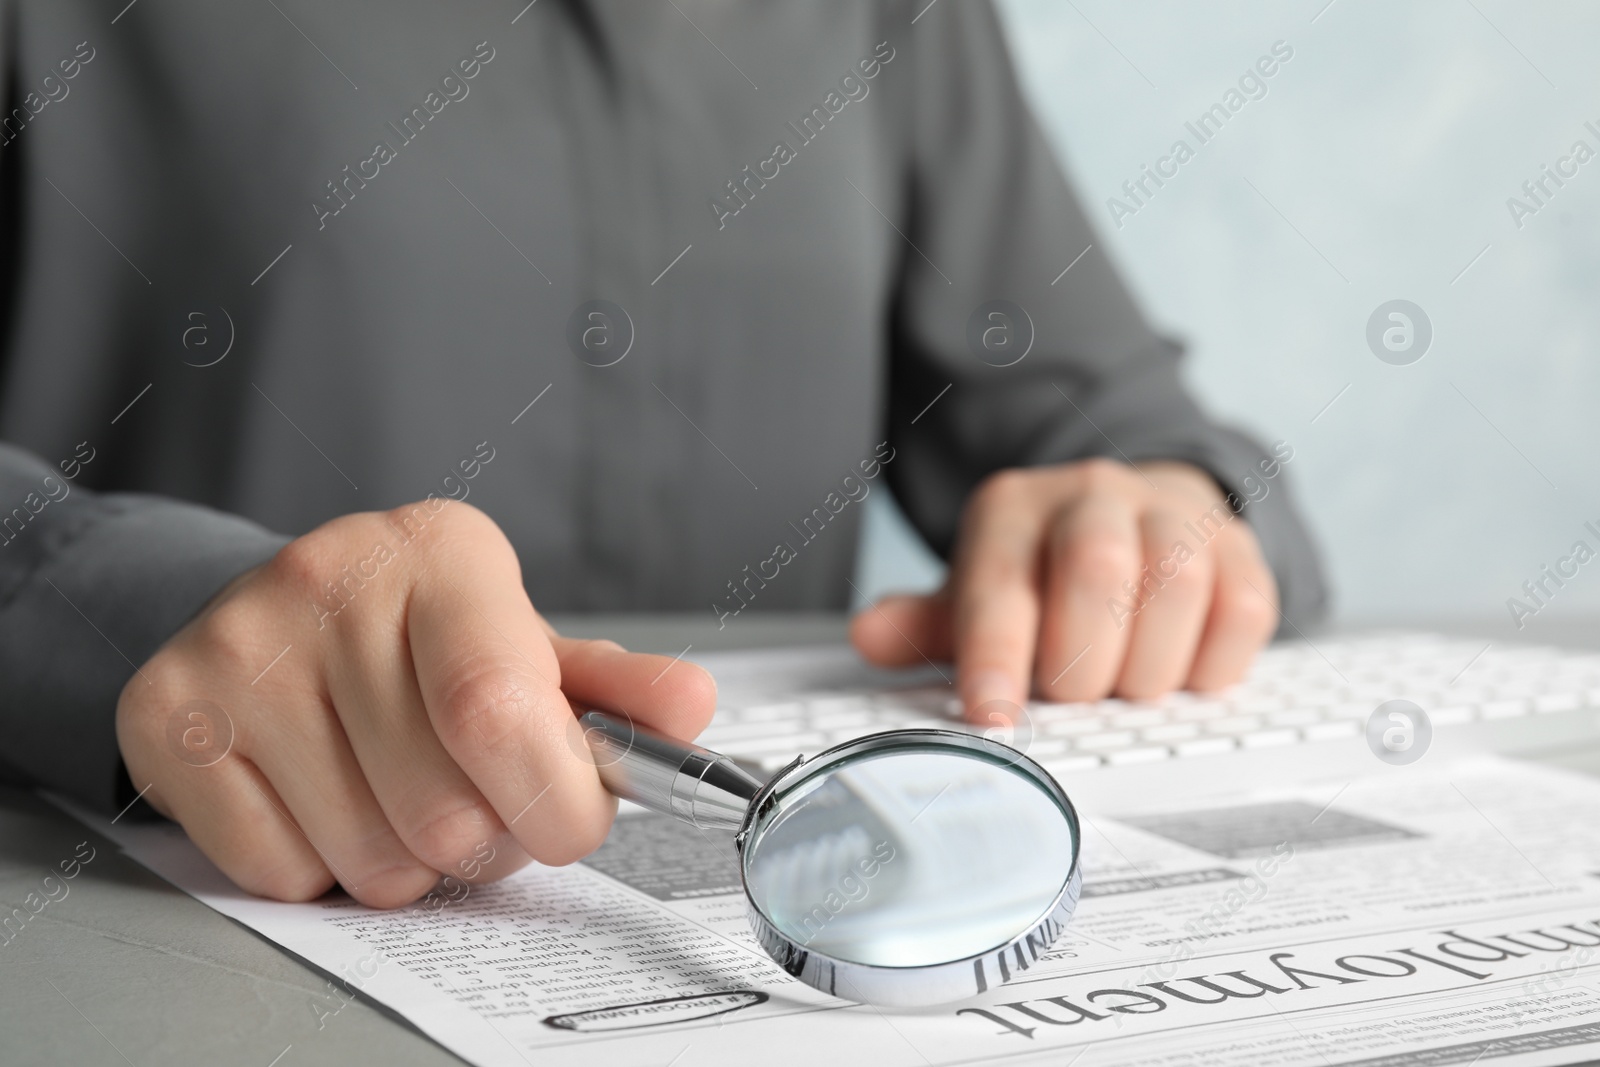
(1391, 141)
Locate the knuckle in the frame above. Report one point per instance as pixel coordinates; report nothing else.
(146, 702)
(229, 639)
(395, 886)
(1243, 609)
(295, 881)
(138, 725)
(418, 515)
(486, 709)
(302, 564)
(441, 526)
(1190, 580)
(232, 621)
(996, 627)
(1100, 560)
(140, 696)
(1001, 489)
(992, 586)
(1102, 475)
(458, 517)
(1086, 682)
(443, 841)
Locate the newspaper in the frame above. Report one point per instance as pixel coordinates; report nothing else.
(1417, 917)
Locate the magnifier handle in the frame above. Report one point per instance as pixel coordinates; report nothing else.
(688, 782)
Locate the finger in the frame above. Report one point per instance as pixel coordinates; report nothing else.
(437, 814)
(225, 804)
(1093, 558)
(903, 631)
(1244, 611)
(229, 810)
(310, 764)
(995, 609)
(1174, 589)
(491, 684)
(672, 695)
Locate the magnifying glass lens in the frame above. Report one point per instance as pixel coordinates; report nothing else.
(909, 857)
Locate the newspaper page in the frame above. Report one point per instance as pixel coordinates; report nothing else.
(1416, 918)
(1412, 919)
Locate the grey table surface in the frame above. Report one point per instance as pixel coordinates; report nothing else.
(126, 969)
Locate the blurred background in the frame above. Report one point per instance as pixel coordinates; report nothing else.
(1377, 167)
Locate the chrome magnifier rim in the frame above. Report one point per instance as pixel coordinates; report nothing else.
(710, 791)
(925, 984)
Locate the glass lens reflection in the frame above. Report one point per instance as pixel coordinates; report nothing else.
(908, 857)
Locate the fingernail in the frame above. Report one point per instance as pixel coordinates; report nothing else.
(983, 686)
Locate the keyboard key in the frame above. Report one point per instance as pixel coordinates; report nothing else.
(1134, 720)
(1270, 738)
(721, 733)
(841, 720)
(793, 744)
(1074, 727)
(1549, 702)
(831, 705)
(1151, 754)
(1452, 715)
(1046, 711)
(1172, 731)
(1236, 724)
(1329, 731)
(1072, 764)
(930, 697)
(839, 737)
(1200, 712)
(1105, 741)
(895, 715)
(1295, 717)
(932, 724)
(1205, 746)
(1505, 709)
(771, 713)
(1350, 710)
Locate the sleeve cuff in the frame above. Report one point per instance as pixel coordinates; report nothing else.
(103, 594)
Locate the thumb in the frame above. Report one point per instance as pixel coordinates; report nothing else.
(673, 696)
(904, 629)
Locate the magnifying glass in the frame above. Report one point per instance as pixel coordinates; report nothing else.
(905, 868)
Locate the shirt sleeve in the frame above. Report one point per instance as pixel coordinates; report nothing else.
(1070, 369)
(90, 586)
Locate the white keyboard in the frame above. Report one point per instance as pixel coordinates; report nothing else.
(1296, 693)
